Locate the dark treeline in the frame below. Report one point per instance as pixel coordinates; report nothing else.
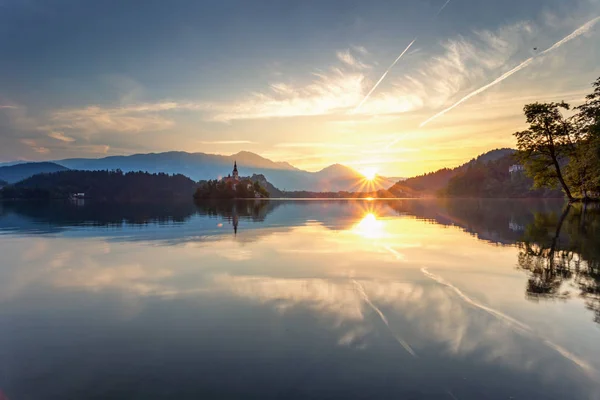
(435, 183)
(492, 180)
(103, 186)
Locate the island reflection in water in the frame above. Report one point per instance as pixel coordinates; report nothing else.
(276, 299)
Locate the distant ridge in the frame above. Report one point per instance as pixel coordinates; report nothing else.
(15, 173)
(203, 166)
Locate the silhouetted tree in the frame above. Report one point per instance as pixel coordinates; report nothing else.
(544, 148)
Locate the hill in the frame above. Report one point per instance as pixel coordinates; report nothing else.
(103, 185)
(16, 173)
(491, 179)
(269, 187)
(431, 183)
(202, 166)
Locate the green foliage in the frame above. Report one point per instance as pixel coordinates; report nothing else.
(544, 147)
(588, 117)
(563, 151)
(583, 171)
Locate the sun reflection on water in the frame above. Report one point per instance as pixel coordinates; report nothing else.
(370, 227)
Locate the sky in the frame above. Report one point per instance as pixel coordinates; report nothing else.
(308, 82)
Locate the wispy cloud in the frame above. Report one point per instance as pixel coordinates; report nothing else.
(34, 146)
(126, 119)
(578, 32)
(341, 88)
(361, 50)
(226, 142)
(313, 145)
(347, 58)
(8, 107)
(60, 136)
(463, 64)
(330, 91)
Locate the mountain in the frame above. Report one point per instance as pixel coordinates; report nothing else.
(202, 166)
(429, 184)
(16, 173)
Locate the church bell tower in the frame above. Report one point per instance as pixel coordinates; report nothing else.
(235, 171)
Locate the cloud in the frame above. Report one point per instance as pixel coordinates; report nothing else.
(7, 107)
(578, 32)
(227, 142)
(330, 91)
(60, 136)
(341, 88)
(93, 148)
(347, 58)
(463, 63)
(127, 119)
(361, 49)
(34, 146)
(313, 145)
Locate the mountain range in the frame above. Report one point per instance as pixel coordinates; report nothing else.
(202, 166)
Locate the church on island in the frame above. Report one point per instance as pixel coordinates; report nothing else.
(233, 178)
(231, 187)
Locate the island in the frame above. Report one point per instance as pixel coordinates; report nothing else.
(231, 187)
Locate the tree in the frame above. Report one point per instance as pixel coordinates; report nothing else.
(544, 148)
(584, 168)
(588, 115)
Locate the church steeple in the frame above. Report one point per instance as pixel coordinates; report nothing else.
(235, 171)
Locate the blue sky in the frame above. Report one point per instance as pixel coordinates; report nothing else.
(284, 78)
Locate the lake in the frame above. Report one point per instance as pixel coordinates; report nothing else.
(400, 299)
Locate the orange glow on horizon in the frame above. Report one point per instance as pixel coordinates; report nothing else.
(370, 173)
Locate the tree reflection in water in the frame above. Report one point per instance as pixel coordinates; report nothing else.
(561, 254)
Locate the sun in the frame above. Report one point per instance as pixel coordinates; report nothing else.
(370, 173)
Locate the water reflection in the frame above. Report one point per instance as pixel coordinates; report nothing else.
(562, 254)
(401, 299)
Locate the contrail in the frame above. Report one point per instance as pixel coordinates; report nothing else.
(515, 324)
(580, 31)
(442, 9)
(401, 341)
(394, 63)
(383, 76)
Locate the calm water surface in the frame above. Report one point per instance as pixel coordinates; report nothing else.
(402, 299)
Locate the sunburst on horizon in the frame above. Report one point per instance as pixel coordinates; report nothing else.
(370, 173)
